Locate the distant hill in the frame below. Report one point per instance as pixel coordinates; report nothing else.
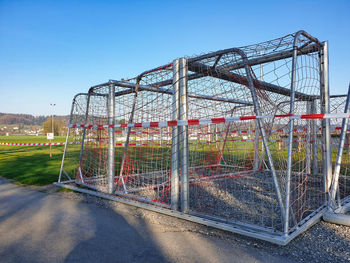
(26, 119)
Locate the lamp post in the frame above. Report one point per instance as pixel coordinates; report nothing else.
(52, 126)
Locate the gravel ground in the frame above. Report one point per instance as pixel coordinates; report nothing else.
(223, 192)
(324, 242)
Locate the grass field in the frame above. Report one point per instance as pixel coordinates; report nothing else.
(30, 165)
(30, 139)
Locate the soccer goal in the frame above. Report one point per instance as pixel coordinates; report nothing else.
(235, 139)
(339, 195)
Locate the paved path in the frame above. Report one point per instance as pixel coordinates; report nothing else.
(41, 227)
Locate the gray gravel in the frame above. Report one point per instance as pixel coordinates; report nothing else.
(324, 242)
(222, 192)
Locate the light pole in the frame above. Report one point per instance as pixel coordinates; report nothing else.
(52, 127)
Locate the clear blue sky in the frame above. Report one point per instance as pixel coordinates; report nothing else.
(51, 50)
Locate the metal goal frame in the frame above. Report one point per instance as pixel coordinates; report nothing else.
(176, 130)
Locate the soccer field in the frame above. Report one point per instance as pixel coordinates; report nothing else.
(30, 165)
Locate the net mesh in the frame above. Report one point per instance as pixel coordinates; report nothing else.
(337, 104)
(232, 178)
(230, 175)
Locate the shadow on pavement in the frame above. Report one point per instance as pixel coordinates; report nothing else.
(36, 227)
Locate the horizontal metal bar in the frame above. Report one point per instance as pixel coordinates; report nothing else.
(338, 96)
(142, 199)
(312, 221)
(123, 84)
(79, 94)
(135, 197)
(307, 35)
(68, 181)
(139, 76)
(255, 61)
(338, 219)
(251, 62)
(322, 209)
(124, 92)
(263, 59)
(233, 77)
(214, 98)
(237, 223)
(271, 57)
(157, 89)
(345, 206)
(170, 81)
(99, 86)
(156, 69)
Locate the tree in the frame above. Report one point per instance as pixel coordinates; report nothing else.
(58, 126)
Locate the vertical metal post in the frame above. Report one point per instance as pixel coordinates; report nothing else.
(67, 137)
(347, 146)
(83, 137)
(314, 140)
(308, 140)
(325, 108)
(131, 119)
(175, 138)
(257, 158)
(111, 144)
(183, 115)
(263, 136)
(261, 129)
(50, 148)
(335, 179)
(256, 146)
(290, 136)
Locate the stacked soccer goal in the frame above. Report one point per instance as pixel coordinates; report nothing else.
(234, 139)
(339, 190)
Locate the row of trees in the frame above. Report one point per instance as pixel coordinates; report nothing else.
(59, 127)
(26, 119)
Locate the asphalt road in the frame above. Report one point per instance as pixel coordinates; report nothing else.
(41, 227)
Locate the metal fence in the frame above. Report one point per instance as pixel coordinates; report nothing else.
(180, 139)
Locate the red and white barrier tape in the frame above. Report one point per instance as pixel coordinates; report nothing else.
(210, 121)
(208, 142)
(137, 144)
(299, 130)
(36, 144)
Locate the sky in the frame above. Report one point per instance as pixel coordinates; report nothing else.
(52, 50)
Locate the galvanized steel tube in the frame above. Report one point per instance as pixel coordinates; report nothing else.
(183, 130)
(290, 135)
(111, 144)
(175, 139)
(335, 180)
(67, 137)
(325, 108)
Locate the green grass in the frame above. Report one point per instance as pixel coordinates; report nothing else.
(31, 165)
(30, 139)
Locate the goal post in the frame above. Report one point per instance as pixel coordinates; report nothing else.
(206, 139)
(339, 197)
